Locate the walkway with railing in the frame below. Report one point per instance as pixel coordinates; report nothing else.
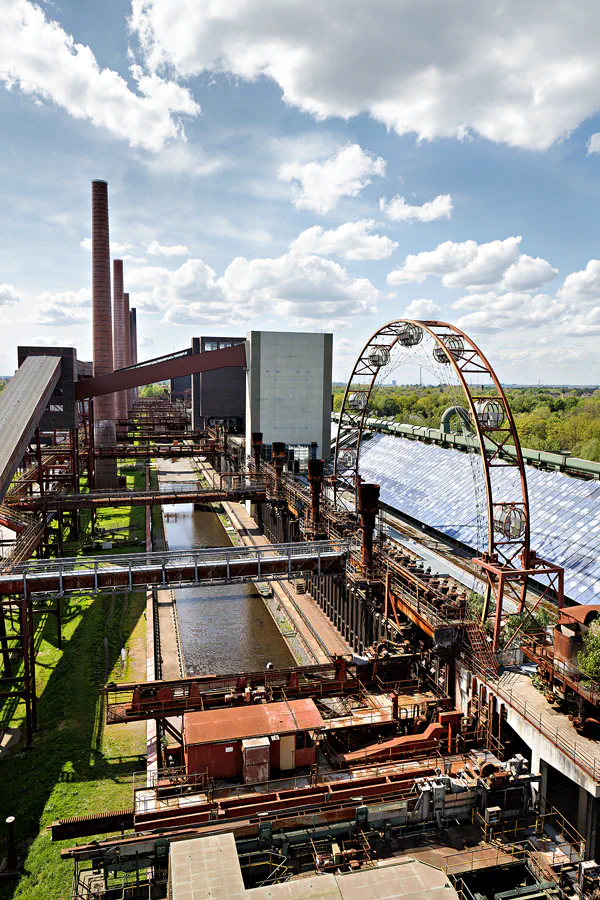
(178, 568)
(517, 691)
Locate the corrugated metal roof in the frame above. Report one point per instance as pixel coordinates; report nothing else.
(217, 725)
(583, 614)
(436, 486)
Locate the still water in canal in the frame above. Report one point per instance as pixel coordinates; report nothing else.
(224, 628)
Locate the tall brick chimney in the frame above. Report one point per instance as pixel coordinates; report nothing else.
(119, 336)
(102, 343)
(128, 359)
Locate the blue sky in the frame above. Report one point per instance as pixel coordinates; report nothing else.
(253, 153)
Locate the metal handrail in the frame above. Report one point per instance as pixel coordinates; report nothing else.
(582, 759)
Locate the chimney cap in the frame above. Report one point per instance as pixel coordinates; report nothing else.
(99, 181)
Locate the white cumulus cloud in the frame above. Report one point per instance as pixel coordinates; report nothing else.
(421, 309)
(497, 312)
(41, 60)
(344, 174)
(156, 249)
(353, 240)
(398, 210)
(582, 324)
(302, 288)
(522, 74)
(9, 295)
(467, 264)
(62, 307)
(582, 286)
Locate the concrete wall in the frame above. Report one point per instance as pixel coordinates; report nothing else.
(288, 395)
(543, 754)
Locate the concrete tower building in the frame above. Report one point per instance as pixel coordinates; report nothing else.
(288, 395)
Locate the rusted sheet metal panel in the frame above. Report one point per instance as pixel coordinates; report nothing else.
(409, 611)
(214, 725)
(411, 743)
(219, 760)
(161, 371)
(584, 613)
(97, 823)
(134, 498)
(22, 405)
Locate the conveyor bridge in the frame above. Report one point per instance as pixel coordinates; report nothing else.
(177, 568)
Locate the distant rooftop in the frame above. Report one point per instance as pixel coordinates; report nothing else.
(208, 867)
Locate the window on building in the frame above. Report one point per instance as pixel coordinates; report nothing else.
(56, 407)
(210, 345)
(304, 740)
(225, 344)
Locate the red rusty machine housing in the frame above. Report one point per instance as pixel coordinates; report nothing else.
(222, 743)
(557, 662)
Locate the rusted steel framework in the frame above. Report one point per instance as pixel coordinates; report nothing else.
(442, 346)
(137, 701)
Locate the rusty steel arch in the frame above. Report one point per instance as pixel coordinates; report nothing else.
(508, 531)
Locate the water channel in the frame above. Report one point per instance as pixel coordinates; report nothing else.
(224, 628)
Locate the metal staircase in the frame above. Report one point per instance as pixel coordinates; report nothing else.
(484, 661)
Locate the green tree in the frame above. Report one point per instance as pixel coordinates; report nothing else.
(589, 659)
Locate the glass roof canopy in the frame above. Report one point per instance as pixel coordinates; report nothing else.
(436, 486)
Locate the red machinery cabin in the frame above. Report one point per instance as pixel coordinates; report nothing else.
(219, 740)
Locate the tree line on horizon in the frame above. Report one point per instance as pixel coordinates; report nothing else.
(551, 419)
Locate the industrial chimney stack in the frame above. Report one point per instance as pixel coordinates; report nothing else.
(102, 344)
(134, 343)
(128, 356)
(119, 329)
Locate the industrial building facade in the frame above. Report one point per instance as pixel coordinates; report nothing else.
(217, 397)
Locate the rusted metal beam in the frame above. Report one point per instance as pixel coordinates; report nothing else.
(101, 499)
(161, 371)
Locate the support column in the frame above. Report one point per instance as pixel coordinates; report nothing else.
(316, 468)
(257, 440)
(368, 507)
(197, 423)
(278, 461)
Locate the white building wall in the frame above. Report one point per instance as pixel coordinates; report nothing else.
(289, 388)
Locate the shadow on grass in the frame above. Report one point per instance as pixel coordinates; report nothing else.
(73, 768)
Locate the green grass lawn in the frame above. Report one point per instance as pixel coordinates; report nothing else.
(76, 766)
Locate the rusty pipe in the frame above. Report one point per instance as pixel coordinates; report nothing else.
(316, 469)
(368, 507)
(278, 461)
(257, 440)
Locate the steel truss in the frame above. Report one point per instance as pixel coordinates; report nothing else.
(508, 562)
